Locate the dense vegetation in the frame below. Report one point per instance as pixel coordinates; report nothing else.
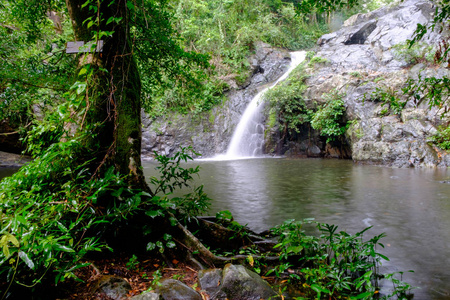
(288, 110)
(85, 189)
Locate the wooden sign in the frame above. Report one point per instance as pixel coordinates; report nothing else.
(77, 47)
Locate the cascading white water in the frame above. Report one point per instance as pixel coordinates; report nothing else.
(248, 138)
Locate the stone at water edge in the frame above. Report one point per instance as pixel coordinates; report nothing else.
(171, 289)
(146, 296)
(241, 283)
(113, 287)
(209, 280)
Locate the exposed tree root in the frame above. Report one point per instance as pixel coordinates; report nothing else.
(187, 240)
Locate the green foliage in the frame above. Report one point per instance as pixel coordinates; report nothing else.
(328, 119)
(442, 138)
(356, 74)
(132, 263)
(32, 74)
(434, 90)
(418, 53)
(55, 210)
(226, 219)
(286, 103)
(173, 176)
(227, 31)
(334, 264)
(317, 60)
(389, 98)
(308, 6)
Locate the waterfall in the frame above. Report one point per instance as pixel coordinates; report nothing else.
(248, 138)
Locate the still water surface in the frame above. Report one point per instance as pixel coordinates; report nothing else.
(411, 206)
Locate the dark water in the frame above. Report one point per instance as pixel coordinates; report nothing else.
(410, 205)
(7, 172)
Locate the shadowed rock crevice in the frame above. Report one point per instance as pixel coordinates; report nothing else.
(361, 35)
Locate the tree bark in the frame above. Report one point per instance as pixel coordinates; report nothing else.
(114, 112)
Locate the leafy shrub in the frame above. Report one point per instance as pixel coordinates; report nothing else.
(442, 138)
(286, 102)
(334, 264)
(434, 90)
(389, 98)
(328, 119)
(418, 53)
(54, 211)
(317, 60)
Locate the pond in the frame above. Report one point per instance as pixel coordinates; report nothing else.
(412, 206)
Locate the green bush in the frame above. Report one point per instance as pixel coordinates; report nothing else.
(442, 138)
(333, 265)
(286, 105)
(52, 214)
(328, 118)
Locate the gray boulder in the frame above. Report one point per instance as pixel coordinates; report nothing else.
(146, 296)
(234, 282)
(240, 283)
(113, 287)
(171, 289)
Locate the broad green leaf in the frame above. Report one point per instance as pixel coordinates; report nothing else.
(130, 5)
(154, 213)
(63, 248)
(319, 289)
(362, 295)
(82, 71)
(6, 250)
(171, 244)
(26, 259)
(151, 246)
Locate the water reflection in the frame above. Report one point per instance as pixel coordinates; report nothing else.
(410, 205)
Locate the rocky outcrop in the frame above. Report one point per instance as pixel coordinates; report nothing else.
(210, 133)
(10, 160)
(233, 282)
(370, 53)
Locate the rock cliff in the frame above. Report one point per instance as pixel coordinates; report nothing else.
(210, 133)
(369, 62)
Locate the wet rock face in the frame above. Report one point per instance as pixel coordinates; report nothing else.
(210, 133)
(361, 57)
(171, 289)
(234, 282)
(112, 287)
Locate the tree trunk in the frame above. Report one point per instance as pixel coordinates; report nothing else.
(114, 109)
